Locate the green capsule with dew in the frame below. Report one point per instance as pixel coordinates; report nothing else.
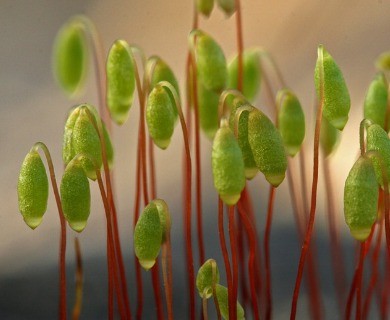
(336, 96)
(205, 279)
(291, 121)
(375, 103)
(383, 61)
(227, 6)
(223, 302)
(75, 195)
(208, 102)
(120, 81)
(251, 72)
(160, 116)
(205, 7)
(165, 218)
(33, 189)
(148, 235)
(70, 56)
(243, 107)
(210, 61)
(378, 140)
(329, 137)
(361, 198)
(227, 165)
(267, 147)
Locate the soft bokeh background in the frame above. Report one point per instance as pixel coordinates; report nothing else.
(32, 108)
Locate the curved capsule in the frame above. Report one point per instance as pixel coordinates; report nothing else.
(148, 236)
(336, 96)
(329, 137)
(291, 121)
(33, 189)
(250, 164)
(227, 165)
(251, 71)
(204, 278)
(375, 103)
(70, 56)
(75, 196)
(361, 198)
(383, 61)
(223, 302)
(267, 147)
(160, 116)
(378, 140)
(205, 7)
(208, 111)
(210, 62)
(227, 6)
(120, 81)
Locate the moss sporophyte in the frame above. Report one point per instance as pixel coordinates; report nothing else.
(221, 101)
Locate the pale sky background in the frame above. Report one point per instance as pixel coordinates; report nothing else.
(32, 107)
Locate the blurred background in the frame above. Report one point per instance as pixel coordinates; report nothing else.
(33, 108)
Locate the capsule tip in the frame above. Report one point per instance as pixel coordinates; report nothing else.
(78, 226)
(361, 234)
(230, 199)
(33, 222)
(250, 173)
(147, 264)
(275, 180)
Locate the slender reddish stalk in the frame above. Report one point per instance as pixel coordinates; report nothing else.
(240, 47)
(110, 279)
(152, 169)
(167, 275)
(359, 282)
(79, 281)
(241, 263)
(233, 248)
(385, 291)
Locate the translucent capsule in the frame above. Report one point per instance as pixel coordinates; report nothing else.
(70, 56)
(251, 72)
(210, 61)
(267, 147)
(205, 7)
(227, 6)
(291, 121)
(336, 96)
(75, 196)
(223, 302)
(375, 103)
(329, 137)
(204, 278)
(361, 198)
(227, 165)
(165, 217)
(160, 116)
(120, 81)
(208, 111)
(33, 189)
(148, 236)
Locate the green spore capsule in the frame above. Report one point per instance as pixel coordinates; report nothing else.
(336, 96)
(148, 236)
(227, 6)
(329, 137)
(228, 165)
(160, 116)
(223, 302)
(165, 217)
(208, 111)
(375, 103)
(210, 61)
(33, 189)
(242, 106)
(70, 56)
(75, 196)
(204, 279)
(120, 81)
(291, 121)
(378, 140)
(361, 198)
(267, 147)
(251, 71)
(383, 61)
(205, 7)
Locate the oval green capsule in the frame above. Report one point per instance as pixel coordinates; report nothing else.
(291, 121)
(204, 278)
(210, 61)
(165, 217)
(336, 96)
(227, 6)
(329, 137)
(33, 189)
(267, 147)
(75, 196)
(223, 302)
(208, 111)
(205, 7)
(70, 56)
(383, 61)
(227, 165)
(148, 236)
(160, 116)
(361, 198)
(251, 72)
(375, 103)
(378, 140)
(120, 81)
